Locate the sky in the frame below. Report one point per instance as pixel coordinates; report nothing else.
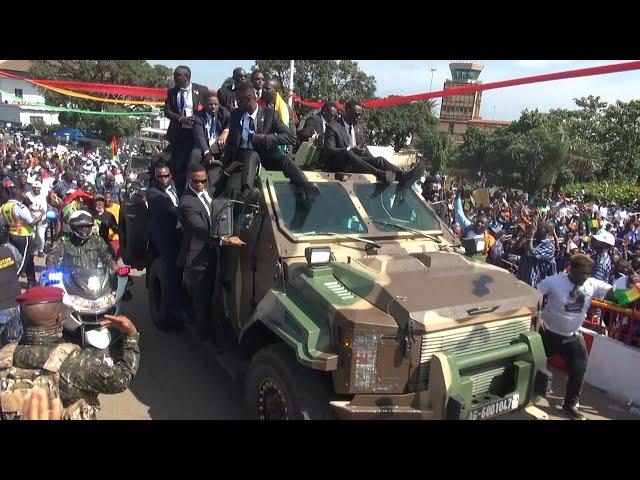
(405, 77)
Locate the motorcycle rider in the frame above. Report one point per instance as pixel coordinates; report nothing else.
(80, 248)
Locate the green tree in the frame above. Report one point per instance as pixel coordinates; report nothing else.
(130, 72)
(437, 147)
(321, 80)
(393, 125)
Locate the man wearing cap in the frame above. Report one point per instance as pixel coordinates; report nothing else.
(38, 209)
(602, 242)
(84, 373)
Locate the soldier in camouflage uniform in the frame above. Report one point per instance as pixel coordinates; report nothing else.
(83, 373)
(80, 248)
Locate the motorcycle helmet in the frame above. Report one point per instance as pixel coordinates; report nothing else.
(81, 223)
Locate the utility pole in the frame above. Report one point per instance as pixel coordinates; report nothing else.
(291, 68)
(431, 83)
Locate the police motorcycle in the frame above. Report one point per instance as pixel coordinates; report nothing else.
(91, 291)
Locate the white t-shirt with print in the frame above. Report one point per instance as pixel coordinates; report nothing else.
(562, 313)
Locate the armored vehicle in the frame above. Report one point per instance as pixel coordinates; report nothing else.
(357, 306)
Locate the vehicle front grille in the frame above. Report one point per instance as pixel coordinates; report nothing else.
(467, 341)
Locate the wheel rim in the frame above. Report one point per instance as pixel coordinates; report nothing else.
(272, 402)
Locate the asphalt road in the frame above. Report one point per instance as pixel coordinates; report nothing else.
(179, 379)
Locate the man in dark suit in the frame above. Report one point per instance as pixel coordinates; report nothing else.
(316, 124)
(210, 131)
(255, 133)
(257, 82)
(198, 250)
(163, 229)
(225, 94)
(345, 150)
(182, 101)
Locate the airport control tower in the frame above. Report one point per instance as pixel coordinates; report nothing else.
(467, 106)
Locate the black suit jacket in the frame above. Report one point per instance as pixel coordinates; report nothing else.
(225, 96)
(197, 250)
(163, 215)
(312, 125)
(200, 133)
(172, 109)
(336, 141)
(268, 122)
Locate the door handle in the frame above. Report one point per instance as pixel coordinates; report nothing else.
(481, 310)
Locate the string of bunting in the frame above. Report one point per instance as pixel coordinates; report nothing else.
(61, 86)
(76, 110)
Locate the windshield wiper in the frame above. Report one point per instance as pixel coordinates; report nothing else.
(408, 229)
(344, 235)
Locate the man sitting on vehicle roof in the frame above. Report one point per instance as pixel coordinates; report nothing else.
(346, 151)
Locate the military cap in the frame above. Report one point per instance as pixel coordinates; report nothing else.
(40, 295)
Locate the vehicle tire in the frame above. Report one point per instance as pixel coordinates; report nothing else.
(156, 290)
(277, 387)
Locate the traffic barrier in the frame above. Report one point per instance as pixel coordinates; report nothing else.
(619, 323)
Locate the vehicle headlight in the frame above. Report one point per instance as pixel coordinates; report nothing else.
(365, 354)
(85, 305)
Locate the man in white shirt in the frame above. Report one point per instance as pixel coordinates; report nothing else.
(568, 297)
(38, 209)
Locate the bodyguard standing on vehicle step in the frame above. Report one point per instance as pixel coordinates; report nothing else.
(182, 101)
(198, 250)
(164, 232)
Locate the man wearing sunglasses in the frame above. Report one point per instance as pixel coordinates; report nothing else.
(198, 249)
(255, 133)
(317, 124)
(163, 230)
(226, 94)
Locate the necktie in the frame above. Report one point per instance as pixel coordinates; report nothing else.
(350, 136)
(252, 130)
(182, 101)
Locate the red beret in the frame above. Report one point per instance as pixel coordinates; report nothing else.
(41, 295)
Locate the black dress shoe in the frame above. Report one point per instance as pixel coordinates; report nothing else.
(312, 191)
(410, 177)
(386, 177)
(572, 412)
(251, 196)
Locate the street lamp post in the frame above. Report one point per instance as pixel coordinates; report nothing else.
(431, 83)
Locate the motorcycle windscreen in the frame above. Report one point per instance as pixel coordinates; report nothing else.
(90, 283)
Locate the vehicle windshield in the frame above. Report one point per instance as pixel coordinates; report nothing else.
(390, 205)
(333, 211)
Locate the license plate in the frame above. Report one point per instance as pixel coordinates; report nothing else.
(495, 408)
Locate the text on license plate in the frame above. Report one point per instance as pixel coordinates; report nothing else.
(495, 408)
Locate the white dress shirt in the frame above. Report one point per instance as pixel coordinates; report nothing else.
(353, 133)
(188, 98)
(172, 195)
(244, 122)
(204, 198)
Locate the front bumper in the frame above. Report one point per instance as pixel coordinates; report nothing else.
(449, 396)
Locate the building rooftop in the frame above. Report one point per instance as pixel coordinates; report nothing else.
(16, 65)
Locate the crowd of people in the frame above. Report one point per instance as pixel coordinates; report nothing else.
(60, 201)
(571, 249)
